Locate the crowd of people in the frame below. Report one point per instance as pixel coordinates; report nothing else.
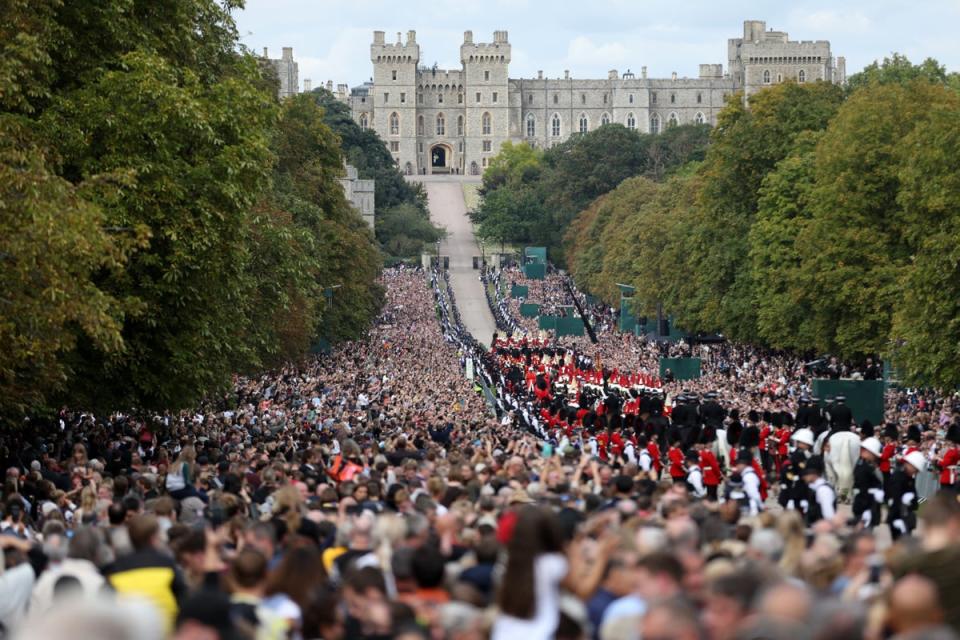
(418, 485)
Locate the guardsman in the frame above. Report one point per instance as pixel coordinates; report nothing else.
(751, 481)
(949, 461)
(902, 495)
(888, 455)
(792, 489)
(868, 484)
(712, 475)
(694, 478)
(821, 501)
(675, 457)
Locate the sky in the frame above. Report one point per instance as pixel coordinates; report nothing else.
(331, 38)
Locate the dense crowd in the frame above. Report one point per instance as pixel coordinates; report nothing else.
(417, 485)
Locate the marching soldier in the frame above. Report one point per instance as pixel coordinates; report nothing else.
(694, 477)
(792, 489)
(712, 475)
(821, 500)
(902, 496)
(750, 480)
(950, 460)
(868, 484)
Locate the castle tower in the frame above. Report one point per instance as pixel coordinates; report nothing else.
(486, 108)
(394, 96)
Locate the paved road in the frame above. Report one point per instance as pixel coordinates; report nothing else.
(448, 210)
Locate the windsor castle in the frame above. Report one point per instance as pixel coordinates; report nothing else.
(454, 121)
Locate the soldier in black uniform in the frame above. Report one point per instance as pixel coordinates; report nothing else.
(816, 421)
(840, 415)
(711, 412)
(686, 419)
(868, 484)
(792, 487)
(821, 500)
(734, 428)
(902, 495)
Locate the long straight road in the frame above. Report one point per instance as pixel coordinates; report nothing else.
(448, 209)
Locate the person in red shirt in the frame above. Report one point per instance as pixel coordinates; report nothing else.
(950, 458)
(711, 469)
(675, 456)
(890, 437)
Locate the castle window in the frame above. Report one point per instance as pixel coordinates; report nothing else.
(584, 123)
(494, 96)
(631, 121)
(654, 123)
(779, 78)
(363, 121)
(766, 76)
(420, 147)
(403, 98)
(630, 99)
(460, 146)
(604, 119)
(441, 125)
(386, 98)
(394, 74)
(459, 98)
(459, 125)
(583, 98)
(439, 98)
(556, 98)
(485, 124)
(420, 98)
(699, 98)
(801, 76)
(673, 98)
(420, 125)
(394, 124)
(394, 146)
(699, 119)
(478, 97)
(555, 126)
(531, 125)
(487, 146)
(672, 121)
(604, 98)
(486, 75)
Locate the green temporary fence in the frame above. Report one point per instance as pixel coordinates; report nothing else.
(682, 368)
(569, 326)
(519, 291)
(529, 310)
(864, 397)
(548, 323)
(535, 254)
(535, 271)
(628, 321)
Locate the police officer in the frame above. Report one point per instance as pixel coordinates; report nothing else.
(902, 495)
(868, 484)
(711, 411)
(821, 501)
(792, 488)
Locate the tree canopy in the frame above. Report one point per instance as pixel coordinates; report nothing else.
(166, 221)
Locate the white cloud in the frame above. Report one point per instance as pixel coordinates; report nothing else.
(584, 52)
(832, 21)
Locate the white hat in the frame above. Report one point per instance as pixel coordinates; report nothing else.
(803, 435)
(872, 445)
(916, 460)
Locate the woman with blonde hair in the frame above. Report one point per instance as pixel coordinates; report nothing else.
(180, 475)
(87, 512)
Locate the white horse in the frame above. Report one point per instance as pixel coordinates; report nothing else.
(721, 449)
(840, 454)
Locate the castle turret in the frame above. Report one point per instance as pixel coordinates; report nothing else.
(394, 95)
(487, 109)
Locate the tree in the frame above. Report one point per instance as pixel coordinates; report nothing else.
(925, 341)
(53, 242)
(857, 244)
(746, 145)
(897, 69)
(783, 300)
